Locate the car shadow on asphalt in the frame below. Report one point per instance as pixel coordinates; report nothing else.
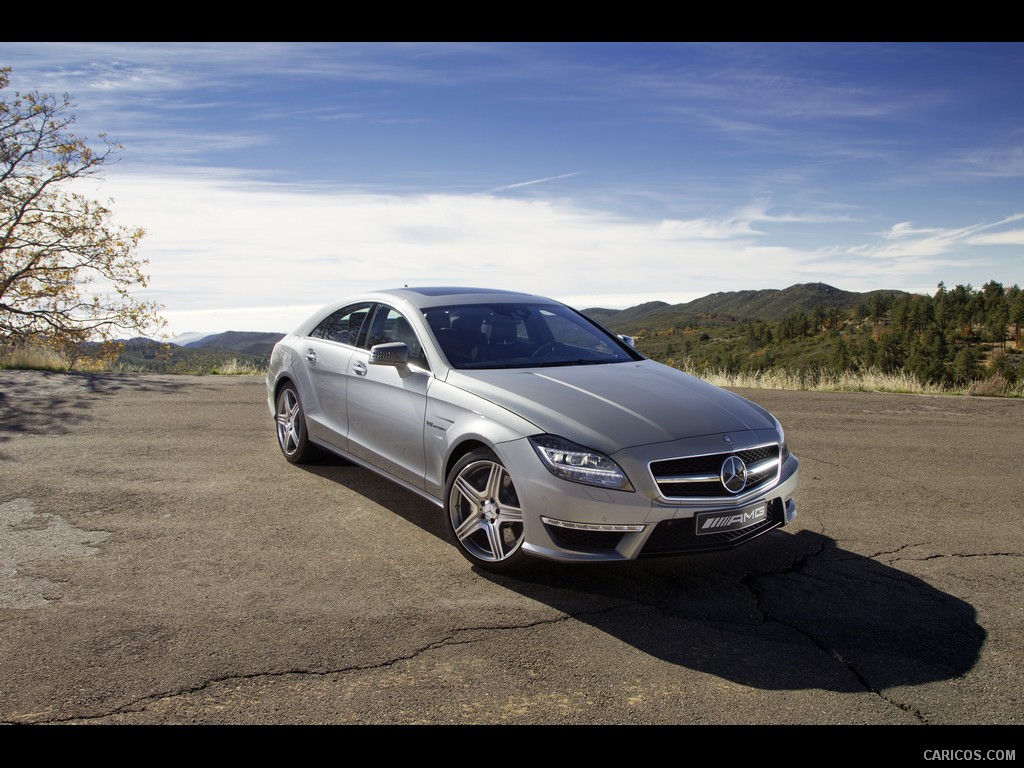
(385, 493)
(788, 611)
(784, 612)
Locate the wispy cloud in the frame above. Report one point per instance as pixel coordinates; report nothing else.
(225, 245)
(904, 241)
(269, 174)
(530, 183)
(988, 162)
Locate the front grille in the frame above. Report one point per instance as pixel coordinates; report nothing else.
(699, 477)
(678, 537)
(576, 538)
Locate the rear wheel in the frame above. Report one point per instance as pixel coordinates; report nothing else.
(485, 520)
(292, 435)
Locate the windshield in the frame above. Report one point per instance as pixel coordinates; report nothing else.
(522, 336)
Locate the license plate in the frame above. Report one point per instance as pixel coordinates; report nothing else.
(722, 522)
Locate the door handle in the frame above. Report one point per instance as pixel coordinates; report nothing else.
(359, 368)
(311, 357)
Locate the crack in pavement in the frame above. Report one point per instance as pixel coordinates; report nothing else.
(478, 634)
(959, 554)
(139, 704)
(797, 566)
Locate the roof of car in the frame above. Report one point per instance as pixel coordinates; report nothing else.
(424, 298)
(433, 296)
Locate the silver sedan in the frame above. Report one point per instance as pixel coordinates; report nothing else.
(538, 432)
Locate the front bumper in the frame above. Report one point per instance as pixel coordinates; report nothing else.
(571, 522)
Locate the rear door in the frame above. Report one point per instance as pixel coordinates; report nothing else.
(326, 355)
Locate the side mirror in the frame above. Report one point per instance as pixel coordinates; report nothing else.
(394, 353)
(628, 339)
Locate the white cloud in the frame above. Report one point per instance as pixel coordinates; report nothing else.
(906, 229)
(1011, 237)
(906, 240)
(227, 252)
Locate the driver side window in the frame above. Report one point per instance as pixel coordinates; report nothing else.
(390, 325)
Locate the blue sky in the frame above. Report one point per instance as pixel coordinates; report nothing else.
(273, 178)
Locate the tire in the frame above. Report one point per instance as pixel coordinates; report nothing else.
(292, 435)
(484, 519)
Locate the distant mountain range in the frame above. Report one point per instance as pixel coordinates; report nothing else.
(246, 342)
(770, 305)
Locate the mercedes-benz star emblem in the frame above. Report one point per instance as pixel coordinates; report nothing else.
(734, 474)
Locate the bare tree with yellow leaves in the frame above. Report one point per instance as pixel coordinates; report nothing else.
(67, 271)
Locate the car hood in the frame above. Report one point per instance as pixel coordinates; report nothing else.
(615, 406)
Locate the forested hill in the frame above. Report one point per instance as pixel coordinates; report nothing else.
(247, 342)
(951, 338)
(769, 305)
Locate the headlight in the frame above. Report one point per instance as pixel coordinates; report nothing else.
(578, 464)
(783, 445)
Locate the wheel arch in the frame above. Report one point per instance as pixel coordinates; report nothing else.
(281, 382)
(467, 445)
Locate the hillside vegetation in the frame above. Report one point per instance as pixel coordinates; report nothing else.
(141, 355)
(808, 336)
(963, 339)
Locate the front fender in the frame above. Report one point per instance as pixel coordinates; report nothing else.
(455, 417)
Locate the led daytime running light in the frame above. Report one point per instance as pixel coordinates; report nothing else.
(579, 465)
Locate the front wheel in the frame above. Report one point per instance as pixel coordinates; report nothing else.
(485, 520)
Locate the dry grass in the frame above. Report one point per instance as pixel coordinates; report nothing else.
(849, 381)
(32, 358)
(43, 359)
(38, 358)
(233, 367)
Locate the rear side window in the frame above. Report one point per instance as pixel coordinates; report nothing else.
(345, 326)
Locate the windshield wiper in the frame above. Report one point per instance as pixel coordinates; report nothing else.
(580, 361)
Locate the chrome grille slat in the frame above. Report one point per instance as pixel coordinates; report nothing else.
(698, 477)
(688, 479)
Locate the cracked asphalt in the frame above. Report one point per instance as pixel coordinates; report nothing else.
(160, 563)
